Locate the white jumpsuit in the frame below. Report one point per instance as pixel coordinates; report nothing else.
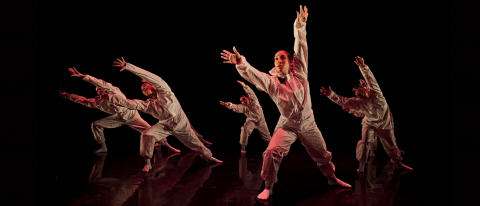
(378, 118)
(372, 143)
(292, 97)
(165, 108)
(255, 118)
(120, 115)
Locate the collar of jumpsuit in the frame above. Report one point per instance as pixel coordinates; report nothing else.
(273, 72)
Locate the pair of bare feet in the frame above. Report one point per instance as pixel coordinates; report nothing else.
(268, 191)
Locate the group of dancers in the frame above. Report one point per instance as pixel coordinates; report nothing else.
(288, 87)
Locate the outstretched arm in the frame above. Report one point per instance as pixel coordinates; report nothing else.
(109, 88)
(367, 74)
(349, 103)
(249, 91)
(134, 104)
(234, 107)
(300, 47)
(158, 83)
(92, 103)
(261, 80)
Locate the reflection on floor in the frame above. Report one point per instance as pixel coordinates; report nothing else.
(185, 179)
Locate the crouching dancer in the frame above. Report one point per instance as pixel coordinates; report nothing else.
(120, 115)
(163, 105)
(378, 118)
(255, 119)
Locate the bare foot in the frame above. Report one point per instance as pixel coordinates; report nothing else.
(147, 168)
(171, 149)
(102, 149)
(213, 159)
(338, 182)
(243, 152)
(402, 166)
(156, 144)
(361, 169)
(265, 194)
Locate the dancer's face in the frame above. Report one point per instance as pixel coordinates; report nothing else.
(244, 101)
(282, 64)
(360, 93)
(100, 91)
(147, 89)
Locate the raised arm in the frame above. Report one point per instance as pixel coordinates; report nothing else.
(158, 83)
(92, 103)
(109, 88)
(236, 108)
(261, 80)
(367, 74)
(134, 104)
(300, 47)
(349, 103)
(249, 91)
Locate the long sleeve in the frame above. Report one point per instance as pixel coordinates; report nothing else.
(250, 93)
(134, 104)
(92, 103)
(356, 113)
(300, 48)
(370, 79)
(109, 88)
(349, 103)
(158, 83)
(238, 108)
(261, 80)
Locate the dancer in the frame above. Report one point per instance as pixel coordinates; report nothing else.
(289, 89)
(378, 118)
(255, 119)
(163, 105)
(120, 115)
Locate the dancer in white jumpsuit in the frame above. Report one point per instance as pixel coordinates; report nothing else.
(378, 118)
(251, 108)
(289, 89)
(164, 106)
(120, 115)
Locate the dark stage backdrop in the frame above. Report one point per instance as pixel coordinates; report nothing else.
(182, 43)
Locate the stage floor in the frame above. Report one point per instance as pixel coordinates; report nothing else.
(185, 179)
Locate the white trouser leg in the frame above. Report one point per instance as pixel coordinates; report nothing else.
(277, 149)
(246, 130)
(387, 138)
(187, 136)
(368, 133)
(151, 135)
(107, 122)
(263, 129)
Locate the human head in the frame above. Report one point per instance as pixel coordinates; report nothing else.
(245, 100)
(360, 92)
(100, 91)
(148, 90)
(283, 62)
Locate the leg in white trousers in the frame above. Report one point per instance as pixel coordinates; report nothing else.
(249, 126)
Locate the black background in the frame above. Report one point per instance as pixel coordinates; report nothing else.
(404, 45)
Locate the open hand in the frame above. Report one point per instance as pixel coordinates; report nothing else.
(225, 104)
(363, 84)
(243, 84)
(359, 61)
(65, 95)
(232, 58)
(120, 63)
(303, 15)
(75, 73)
(326, 92)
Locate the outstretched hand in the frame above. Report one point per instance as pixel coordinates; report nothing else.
(120, 63)
(243, 84)
(65, 95)
(359, 61)
(326, 92)
(75, 73)
(232, 58)
(225, 104)
(363, 84)
(303, 15)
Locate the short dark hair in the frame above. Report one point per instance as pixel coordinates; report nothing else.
(289, 56)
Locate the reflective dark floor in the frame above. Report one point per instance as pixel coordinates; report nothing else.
(185, 179)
